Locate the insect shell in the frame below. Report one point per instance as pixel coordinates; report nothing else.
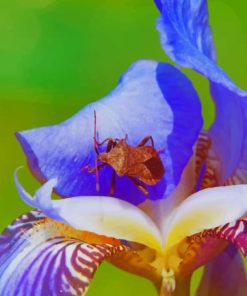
(141, 162)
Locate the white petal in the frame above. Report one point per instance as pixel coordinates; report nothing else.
(99, 214)
(206, 209)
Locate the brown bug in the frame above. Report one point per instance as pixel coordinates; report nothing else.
(141, 164)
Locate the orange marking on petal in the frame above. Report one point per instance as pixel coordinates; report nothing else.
(209, 178)
(205, 155)
(201, 150)
(195, 251)
(54, 228)
(145, 262)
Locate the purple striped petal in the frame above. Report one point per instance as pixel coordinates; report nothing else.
(187, 39)
(151, 99)
(39, 258)
(203, 247)
(235, 233)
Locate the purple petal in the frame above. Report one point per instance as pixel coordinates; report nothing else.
(224, 276)
(185, 33)
(187, 39)
(229, 134)
(151, 99)
(39, 258)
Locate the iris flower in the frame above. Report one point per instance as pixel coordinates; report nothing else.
(196, 214)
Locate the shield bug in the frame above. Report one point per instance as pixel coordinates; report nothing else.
(141, 164)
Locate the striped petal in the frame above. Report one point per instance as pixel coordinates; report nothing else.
(40, 257)
(224, 271)
(186, 37)
(197, 250)
(156, 92)
(200, 248)
(206, 209)
(102, 215)
(236, 233)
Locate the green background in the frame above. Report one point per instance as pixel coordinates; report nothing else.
(56, 56)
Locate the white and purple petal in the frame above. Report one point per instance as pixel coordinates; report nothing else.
(151, 99)
(38, 258)
(106, 216)
(186, 37)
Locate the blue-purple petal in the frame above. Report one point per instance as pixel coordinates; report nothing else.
(151, 99)
(185, 33)
(186, 37)
(224, 276)
(229, 134)
(159, 4)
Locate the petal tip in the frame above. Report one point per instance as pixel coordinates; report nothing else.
(26, 197)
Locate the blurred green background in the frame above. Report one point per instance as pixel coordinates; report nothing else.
(56, 56)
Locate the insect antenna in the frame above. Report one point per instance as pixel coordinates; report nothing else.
(95, 143)
(113, 183)
(97, 174)
(94, 135)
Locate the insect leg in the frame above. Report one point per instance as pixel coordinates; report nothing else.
(111, 144)
(139, 185)
(145, 140)
(106, 140)
(86, 167)
(113, 183)
(93, 170)
(109, 140)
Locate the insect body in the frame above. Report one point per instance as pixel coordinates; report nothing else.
(141, 164)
